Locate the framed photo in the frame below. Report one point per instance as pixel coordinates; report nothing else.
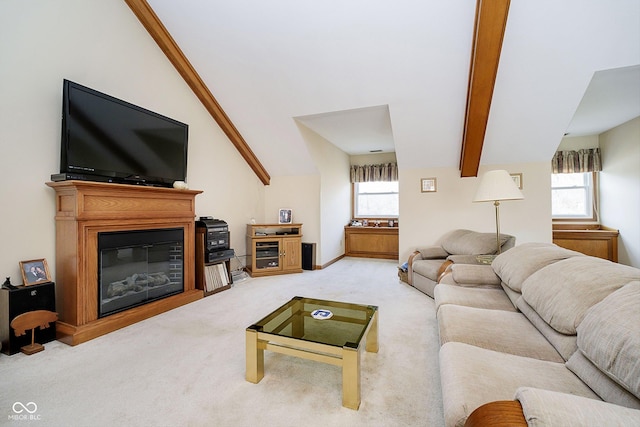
(517, 178)
(428, 185)
(285, 216)
(35, 271)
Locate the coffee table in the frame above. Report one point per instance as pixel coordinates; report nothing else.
(338, 340)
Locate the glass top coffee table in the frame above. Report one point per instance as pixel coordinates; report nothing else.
(325, 331)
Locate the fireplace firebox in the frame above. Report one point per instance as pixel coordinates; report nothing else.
(138, 267)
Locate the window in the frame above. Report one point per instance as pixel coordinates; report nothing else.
(572, 195)
(375, 199)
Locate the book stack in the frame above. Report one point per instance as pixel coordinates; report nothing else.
(215, 277)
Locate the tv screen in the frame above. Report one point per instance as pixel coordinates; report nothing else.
(108, 139)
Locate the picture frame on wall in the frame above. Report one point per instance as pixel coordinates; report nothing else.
(35, 271)
(428, 185)
(517, 178)
(285, 216)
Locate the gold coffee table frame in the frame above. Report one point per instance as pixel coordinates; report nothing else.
(337, 341)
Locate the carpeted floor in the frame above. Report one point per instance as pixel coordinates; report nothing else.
(186, 367)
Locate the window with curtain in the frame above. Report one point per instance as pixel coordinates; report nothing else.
(375, 191)
(573, 184)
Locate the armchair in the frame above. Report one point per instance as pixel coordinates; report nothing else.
(427, 264)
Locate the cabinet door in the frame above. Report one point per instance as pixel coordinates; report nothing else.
(292, 257)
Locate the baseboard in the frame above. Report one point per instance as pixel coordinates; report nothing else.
(320, 267)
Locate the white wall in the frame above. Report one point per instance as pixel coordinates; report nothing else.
(372, 159)
(620, 188)
(321, 202)
(301, 195)
(427, 216)
(335, 195)
(100, 44)
(576, 143)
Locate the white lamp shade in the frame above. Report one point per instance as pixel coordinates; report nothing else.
(497, 185)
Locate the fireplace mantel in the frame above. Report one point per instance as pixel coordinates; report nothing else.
(84, 209)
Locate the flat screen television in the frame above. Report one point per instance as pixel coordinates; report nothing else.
(110, 140)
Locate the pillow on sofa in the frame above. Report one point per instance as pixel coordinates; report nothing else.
(518, 263)
(561, 293)
(598, 381)
(433, 252)
(468, 242)
(610, 338)
(551, 408)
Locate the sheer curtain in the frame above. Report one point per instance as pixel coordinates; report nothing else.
(368, 173)
(584, 160)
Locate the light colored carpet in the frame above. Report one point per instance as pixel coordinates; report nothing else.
(186, 367)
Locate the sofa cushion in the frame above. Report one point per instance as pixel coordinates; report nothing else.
(504, 331)
(517, 264)
(511, 294)
(609, 336)
(472, 376)
(598, 381)
(474, 275)
(468, 242)
(433, 252)
(562, 292)
(427, 268)
(550, 408)
(489, 298)
(566, 345)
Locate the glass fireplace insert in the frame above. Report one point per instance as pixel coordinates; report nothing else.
(137, 267)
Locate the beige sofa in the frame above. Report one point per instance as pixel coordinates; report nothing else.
(556, 330)
(426, 264)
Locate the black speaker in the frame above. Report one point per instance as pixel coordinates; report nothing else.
(308, 255)
(14, 302)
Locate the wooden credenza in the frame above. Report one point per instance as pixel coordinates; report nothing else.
(596, 240)
(371, 242)
(84, 209)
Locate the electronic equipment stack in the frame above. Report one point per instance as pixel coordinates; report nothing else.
(213, 255)
(216, 239)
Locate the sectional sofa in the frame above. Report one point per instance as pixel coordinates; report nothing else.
(553, 329)
(426, 264)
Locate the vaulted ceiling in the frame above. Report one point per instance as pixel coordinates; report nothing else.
(393, 76)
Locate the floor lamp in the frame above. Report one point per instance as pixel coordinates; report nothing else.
(495, 186)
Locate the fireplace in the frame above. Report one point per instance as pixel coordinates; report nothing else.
(138, 267)
(91, 219)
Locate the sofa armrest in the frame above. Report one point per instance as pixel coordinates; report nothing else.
(548, 407)
(416, 255)
(501, 413)
(433, 252)
(473, 275)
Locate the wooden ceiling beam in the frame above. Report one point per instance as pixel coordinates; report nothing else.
(159, 33)
(488, 34)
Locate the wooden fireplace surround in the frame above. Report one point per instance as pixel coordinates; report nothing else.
(84, 209)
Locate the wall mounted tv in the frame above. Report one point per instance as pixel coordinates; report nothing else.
(107, 139)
